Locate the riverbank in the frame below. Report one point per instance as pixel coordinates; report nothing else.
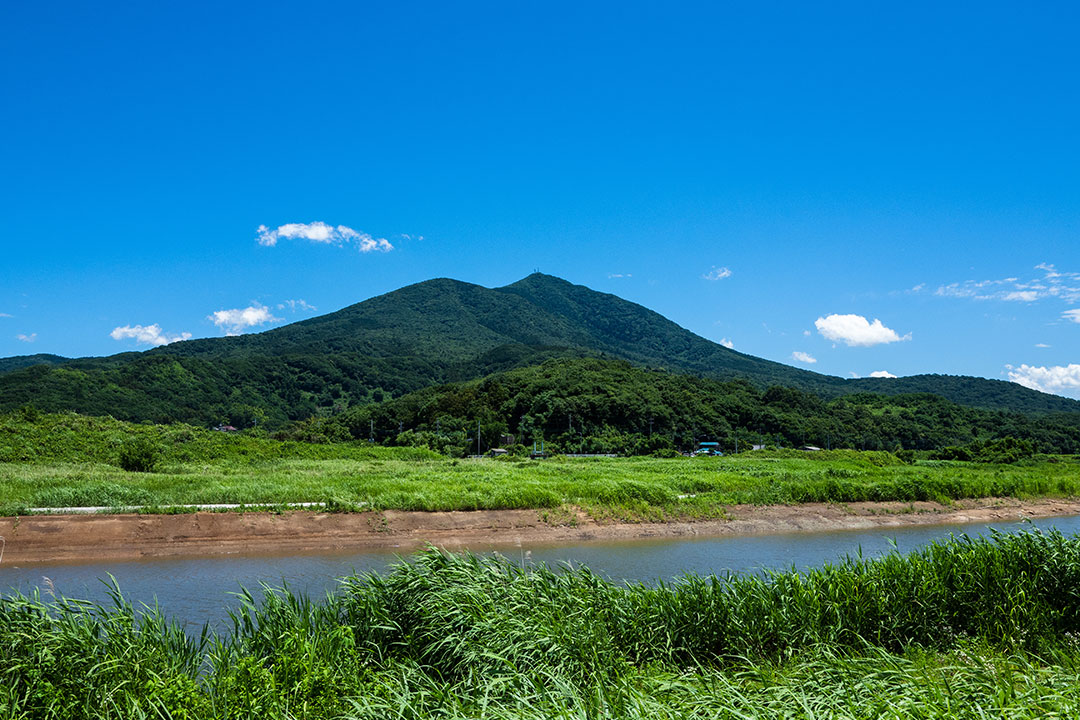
(74, 538)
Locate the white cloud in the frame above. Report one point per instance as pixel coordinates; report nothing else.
(615, 276)
(882, 374)
(1054, 284)
(26, 338)
(1057, 379)
(855, 330)
(727, 343)
(803, 357)
(320, 232)
(717, 273)
(147, 334)
(1073, 315)
(6, 315)
(235, 321)
(1041, 345)
(295, 305)
(806, 333)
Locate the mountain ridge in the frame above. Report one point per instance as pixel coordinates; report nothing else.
(436, 331)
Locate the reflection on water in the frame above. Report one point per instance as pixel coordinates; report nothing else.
(196, 590)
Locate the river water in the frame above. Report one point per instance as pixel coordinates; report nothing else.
(198, 590)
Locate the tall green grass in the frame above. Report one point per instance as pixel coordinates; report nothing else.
(66, 459)
(624, 488)
(968, 627)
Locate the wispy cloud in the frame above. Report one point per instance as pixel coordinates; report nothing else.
(26, 338)
(322, 233)
(3, 315)
(857, 331)
(1053, 284)
(1057, 379)
(803, 357)
(1041, 345)
(295, 305)
(1073, 315)
(147, 334)
(727, 343)
(882, 374)
(717, 273)
(235, 321)
(616, 276)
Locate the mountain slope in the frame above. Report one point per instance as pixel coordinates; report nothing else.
(17, 362)
(432, 332)
(597, 405)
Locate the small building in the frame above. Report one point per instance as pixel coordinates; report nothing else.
(497, 452)
(225, 428)
(708, 448)
(810, 448)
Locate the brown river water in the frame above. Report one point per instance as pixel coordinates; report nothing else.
(199, 590)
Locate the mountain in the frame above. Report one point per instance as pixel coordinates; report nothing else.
(433, 332)
(21, 361)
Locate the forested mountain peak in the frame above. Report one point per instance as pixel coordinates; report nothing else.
(436, 331)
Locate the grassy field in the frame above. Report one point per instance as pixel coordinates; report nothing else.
(963, 628)
(67, 460)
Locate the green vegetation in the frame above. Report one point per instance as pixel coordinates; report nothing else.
(606, 406)
(139, 455)
(964, 628)
(427, 334)
(59, 460)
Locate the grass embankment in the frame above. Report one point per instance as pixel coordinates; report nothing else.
(68, 460)
(964, 628)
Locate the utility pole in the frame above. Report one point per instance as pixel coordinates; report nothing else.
(372, 431)
(478, 438)
(736, 442)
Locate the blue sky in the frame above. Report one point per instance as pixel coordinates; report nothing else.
(774, 176)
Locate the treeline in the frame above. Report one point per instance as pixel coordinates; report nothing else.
(593, 405)
(246, 388)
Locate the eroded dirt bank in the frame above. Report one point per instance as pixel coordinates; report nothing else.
(67, 538)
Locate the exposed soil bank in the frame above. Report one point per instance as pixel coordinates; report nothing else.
(68, 538)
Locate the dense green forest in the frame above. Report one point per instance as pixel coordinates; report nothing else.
(592, 405)
(432, 333)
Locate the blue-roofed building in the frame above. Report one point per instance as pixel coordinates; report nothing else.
(708, 448)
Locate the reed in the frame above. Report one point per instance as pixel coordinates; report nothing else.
(970, 627)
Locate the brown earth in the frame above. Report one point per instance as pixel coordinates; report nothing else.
(67, 538)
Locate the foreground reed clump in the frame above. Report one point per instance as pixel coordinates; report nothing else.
(964, 626)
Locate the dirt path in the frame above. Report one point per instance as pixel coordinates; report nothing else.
(66, 538)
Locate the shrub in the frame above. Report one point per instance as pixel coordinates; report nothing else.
(139, 455)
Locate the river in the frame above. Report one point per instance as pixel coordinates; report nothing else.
(198, 590)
